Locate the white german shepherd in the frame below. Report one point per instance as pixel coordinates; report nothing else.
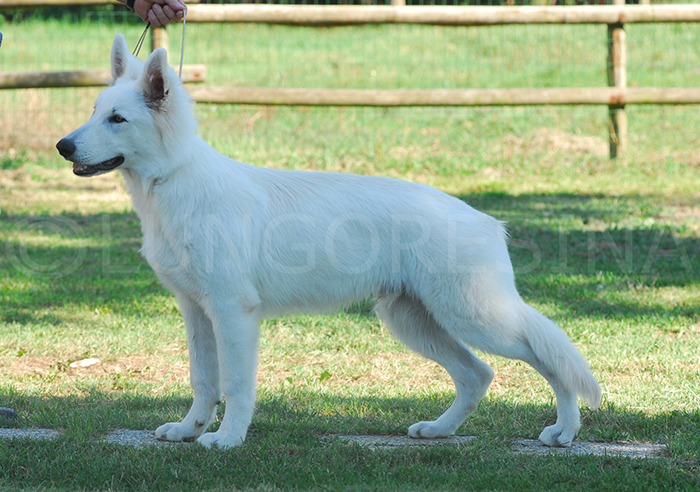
(237, 243)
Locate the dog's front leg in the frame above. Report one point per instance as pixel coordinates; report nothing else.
(204, 375)
(237, 333)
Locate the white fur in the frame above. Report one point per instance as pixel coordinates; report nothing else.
(236, 243)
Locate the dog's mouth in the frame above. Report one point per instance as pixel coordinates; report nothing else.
(102, 167)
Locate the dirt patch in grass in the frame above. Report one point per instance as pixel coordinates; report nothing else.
(336, 371)
(58, 190)
(548, 139)
(408, 370)
(375, 369)
(139, 367)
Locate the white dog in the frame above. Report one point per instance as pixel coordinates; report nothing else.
(237, 243)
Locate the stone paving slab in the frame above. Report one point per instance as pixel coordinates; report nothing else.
(630, 450)
(136, 438)
(528, 446)
(41, 434)
(393, 442)
(144, 438)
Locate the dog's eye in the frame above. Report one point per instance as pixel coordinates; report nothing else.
(117, 119)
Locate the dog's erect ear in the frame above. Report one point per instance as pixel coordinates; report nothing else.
(154, 79)
(120, 56)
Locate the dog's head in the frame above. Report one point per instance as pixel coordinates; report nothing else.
(138, 121)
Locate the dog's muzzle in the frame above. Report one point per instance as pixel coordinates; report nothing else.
(66, 147)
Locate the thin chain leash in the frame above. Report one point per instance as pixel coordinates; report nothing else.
(139, 43)
(182, 47)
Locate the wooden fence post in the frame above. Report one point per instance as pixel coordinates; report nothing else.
(617, 77)
(159, 38)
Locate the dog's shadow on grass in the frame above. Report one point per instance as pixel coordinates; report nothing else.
(589, 256)
(567, 250)
(305, 414)
(596, 256)
(72, 262)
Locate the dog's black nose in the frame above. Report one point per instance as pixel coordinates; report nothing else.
(66, 147)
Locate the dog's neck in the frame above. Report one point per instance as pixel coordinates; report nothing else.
(141, 190)
(142, 184)
(146, 183)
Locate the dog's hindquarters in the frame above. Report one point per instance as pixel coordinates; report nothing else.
(481, 308)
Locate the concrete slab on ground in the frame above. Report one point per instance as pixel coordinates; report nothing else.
(41, 434)
(629, 450)
(135, 438)
(144, 438)
(393, 442)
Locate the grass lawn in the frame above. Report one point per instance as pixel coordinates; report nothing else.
(609, 250)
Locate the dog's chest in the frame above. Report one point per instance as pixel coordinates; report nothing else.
(170, 255)
(167, 246)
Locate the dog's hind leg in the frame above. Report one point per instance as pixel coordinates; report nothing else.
(411, 323)
(204, 376)
(515, 330)
(565, 430)
(551, 353)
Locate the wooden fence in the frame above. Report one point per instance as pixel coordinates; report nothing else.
(616, 96)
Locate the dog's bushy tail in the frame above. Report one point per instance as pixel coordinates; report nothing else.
(554, 350)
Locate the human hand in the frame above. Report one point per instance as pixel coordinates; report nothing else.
(160, 12)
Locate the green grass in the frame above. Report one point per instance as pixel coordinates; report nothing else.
(619, 273)
(609, 250)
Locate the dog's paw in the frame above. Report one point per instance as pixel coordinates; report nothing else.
(428, 430)
(557, 436)
(177, 431)
(220, 440)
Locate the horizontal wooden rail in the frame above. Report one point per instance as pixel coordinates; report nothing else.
(616, 97)
(81, 78)
(13, 4)
(313, 15)
(609, 96)
(324, 15)
(51, 3)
